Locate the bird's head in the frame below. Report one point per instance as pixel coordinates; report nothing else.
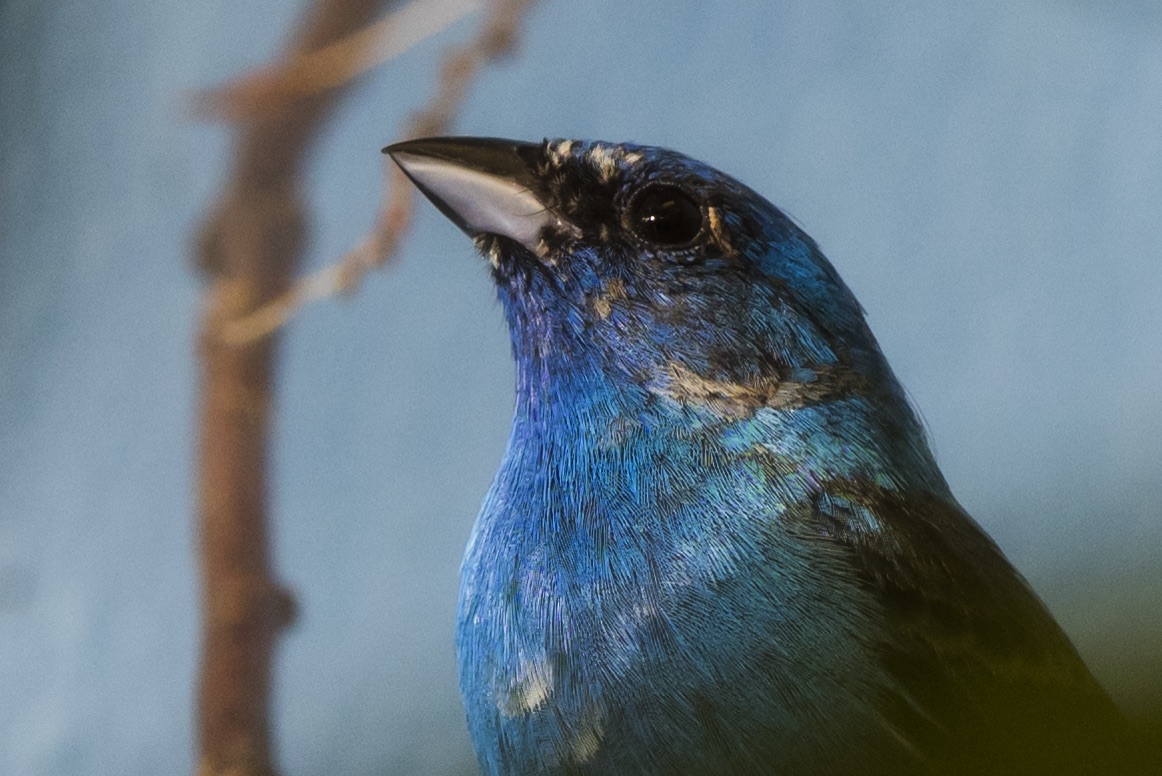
(643, 268)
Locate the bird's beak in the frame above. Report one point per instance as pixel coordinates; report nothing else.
(484, 185)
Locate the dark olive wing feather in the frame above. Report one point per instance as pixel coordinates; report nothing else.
(986, 681)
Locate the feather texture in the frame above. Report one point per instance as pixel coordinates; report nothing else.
(718, 542)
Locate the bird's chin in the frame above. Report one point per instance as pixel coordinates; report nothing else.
(507, 256)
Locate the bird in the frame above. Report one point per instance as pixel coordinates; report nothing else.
(718, 541)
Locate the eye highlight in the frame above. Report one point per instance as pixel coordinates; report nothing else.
(665, 216)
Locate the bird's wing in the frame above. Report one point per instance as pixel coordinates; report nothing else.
(985, 679)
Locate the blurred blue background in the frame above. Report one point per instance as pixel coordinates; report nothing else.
(986, 176)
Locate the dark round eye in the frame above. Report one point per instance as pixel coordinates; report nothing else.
(666, 216)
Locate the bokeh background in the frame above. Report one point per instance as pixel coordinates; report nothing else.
(987, 177)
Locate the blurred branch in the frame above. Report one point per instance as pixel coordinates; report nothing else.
(497, 38)
(302, 73)
(250, 245)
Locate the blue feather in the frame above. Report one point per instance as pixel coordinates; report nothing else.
(718, 542)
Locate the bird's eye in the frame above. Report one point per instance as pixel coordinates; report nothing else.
(666, 216)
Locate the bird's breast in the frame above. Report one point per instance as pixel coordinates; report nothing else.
(596, 622)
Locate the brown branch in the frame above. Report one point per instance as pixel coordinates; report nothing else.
(497, 38)
(309, 72)
(250, 245)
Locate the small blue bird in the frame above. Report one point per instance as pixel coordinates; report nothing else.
(718, 542)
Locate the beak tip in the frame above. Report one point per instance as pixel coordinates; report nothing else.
(402, 146)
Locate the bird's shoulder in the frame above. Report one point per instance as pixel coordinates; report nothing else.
(984, 679)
